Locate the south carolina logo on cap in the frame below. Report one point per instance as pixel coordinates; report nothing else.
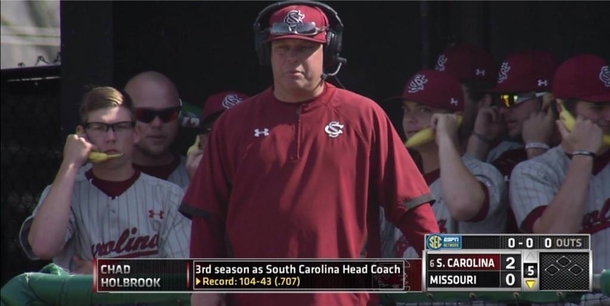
(440, 62)
(440, 90)
(294, 18)
(231, 100)
(503, 75)
(604, 76)
(417, 83)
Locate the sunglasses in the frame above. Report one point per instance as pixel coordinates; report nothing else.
(304, 29)
(166, 115)
(510, 100)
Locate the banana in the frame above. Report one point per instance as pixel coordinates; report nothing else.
(424, 136)
(565, 116)
(568, 121)
(97, 157)
(194, 147)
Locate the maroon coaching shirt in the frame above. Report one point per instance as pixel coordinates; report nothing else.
(288, 180)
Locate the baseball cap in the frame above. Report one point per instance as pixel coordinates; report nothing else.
(300, 22)
(435, 88)
(527, 71)
(584, 77)
(218, 103)
(467, 63)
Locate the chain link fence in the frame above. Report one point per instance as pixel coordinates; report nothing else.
(31, 149)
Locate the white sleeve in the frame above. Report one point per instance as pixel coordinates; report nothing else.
(27, 224)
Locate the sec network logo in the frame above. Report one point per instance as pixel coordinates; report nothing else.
(444, 241)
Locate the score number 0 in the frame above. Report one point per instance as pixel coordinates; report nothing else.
(529, 243)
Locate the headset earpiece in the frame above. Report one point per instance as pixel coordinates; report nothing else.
(334, 35)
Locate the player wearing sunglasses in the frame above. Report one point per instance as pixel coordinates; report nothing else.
(524, 113)
(521, 93)
(567, 189)
(157, 109)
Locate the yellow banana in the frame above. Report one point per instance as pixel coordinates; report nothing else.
(194, 147)
(424, 136)
(97, 157)
(568, 121)
(565, 116)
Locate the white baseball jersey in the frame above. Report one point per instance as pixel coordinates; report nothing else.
(493, 222)
(143, 221)
(178, 176)
(502, 147)
(535, 182)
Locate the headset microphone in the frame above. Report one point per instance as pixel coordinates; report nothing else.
(341, 61)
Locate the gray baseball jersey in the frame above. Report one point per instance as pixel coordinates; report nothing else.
(143, 221)
(493, 222)
(179, 176)
(535, 182)
(502, 147)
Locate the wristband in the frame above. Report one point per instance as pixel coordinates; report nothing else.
(585, 153)
(481, 138)
(537, 145)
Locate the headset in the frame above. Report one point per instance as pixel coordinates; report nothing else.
(334, 34)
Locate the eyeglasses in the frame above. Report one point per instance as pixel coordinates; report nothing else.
(166, 115)
(510, 100)
(304, 29)
(117, 127)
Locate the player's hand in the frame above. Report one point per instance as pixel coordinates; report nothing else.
(585, 136)
(193, 158)
(207, 299)
(82, 266)
(489, 123)
(77, 149)
(445, 125)
(539, 127)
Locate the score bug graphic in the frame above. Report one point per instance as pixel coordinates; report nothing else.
(444, 241)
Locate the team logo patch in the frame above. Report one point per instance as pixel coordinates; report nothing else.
(334, 129)
(294, 18)
(604, 76)
(479, 72)
(417, 83)
(231, 100)
(453, 101)
(152, 214)
(440, 62)
(543, 82)
(503, 75)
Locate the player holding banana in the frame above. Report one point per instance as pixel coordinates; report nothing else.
(100, 211)
(566, 189)
(470, 194)
(213, 107)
